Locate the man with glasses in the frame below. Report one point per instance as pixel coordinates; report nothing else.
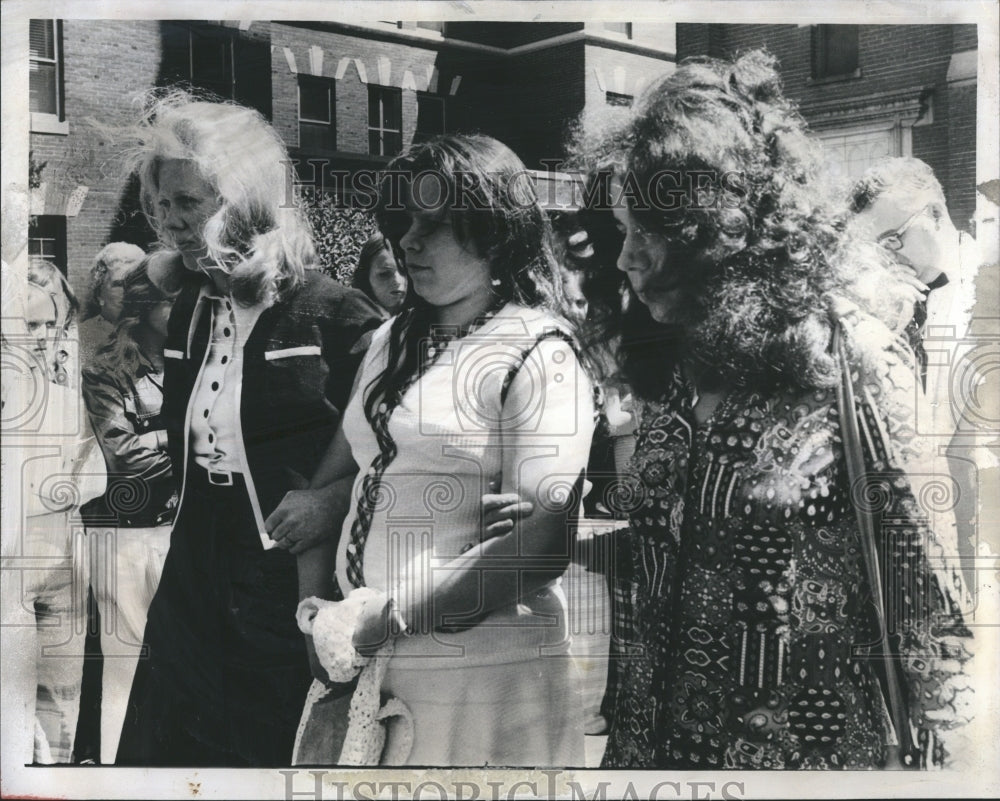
(902, 206)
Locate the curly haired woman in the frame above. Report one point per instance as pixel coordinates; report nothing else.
(756, 609)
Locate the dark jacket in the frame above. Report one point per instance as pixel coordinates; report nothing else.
(298, 369)
(125, 415)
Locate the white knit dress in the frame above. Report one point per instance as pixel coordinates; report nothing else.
(504, 692)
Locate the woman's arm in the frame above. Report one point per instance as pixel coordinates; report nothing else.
(126, 452)
(544, 457)
(311, 515)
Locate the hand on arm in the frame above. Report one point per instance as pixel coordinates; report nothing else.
(543, 457)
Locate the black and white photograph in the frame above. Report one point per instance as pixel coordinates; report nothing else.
(500, 399)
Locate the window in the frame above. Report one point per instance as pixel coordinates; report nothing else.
(620, 28)
(834, 51)
(317, 113)
(618, 99)
(430, 116)
(47, 239)
(45, 78)
(385, 120)
(212, 63)
(227, 63)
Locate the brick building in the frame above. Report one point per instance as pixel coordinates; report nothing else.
(342, 96)
(870, 91)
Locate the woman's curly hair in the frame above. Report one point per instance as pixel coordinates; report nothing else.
(261, 238)
(758, 257)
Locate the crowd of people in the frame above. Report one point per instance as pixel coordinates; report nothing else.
(332, 522)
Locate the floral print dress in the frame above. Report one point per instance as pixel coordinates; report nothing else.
(752, 613)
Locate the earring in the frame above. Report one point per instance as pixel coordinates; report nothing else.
(495, 282)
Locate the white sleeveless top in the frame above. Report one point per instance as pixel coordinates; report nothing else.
(448, 430)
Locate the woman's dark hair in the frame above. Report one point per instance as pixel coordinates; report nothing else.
(490, 200)
(362, 277)
(122, 356)
(758, 257)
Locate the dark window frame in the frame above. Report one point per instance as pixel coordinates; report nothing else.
(242, 63)
(825, 63)
(420, 134)
(330, 85)
(45, 228)
(58, 62)
(389, 139)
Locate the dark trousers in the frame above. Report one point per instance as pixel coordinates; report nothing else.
(226, 674)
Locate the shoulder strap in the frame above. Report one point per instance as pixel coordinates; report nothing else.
(551, 333)
(857, 475)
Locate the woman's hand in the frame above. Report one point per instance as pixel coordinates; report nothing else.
(307, 517)
(372, 631)
(501, 510)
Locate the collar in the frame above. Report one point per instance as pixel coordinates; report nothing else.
(208, 293)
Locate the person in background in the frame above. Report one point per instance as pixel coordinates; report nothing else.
(104, 304)
(900, 204)
(754, 576)
(259, 358)
(50, 313)
(130, 528)
(379, 276)
(45, 567)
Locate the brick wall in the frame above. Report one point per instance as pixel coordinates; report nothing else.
(107, 63)
(961, 188)
(891, 57)
(964, 37)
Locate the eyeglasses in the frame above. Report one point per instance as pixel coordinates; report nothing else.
(893, 240)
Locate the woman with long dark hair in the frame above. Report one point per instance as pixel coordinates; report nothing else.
(380, 276)
(478, 382)
(777, 624)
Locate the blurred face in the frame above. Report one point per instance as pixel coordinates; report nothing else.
(576, 301)
(184, 202)
(917, 228)
(387, 282)
(443, 271)
(112, 292)
(644, 259)
(44, 312)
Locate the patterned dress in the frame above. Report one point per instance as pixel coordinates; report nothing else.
(752, 613)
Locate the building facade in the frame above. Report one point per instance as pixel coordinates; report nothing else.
(870, 91)
(344, 97)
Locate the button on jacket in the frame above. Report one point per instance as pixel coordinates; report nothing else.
(298, 368)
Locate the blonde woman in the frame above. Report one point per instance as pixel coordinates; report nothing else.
(260, 355)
